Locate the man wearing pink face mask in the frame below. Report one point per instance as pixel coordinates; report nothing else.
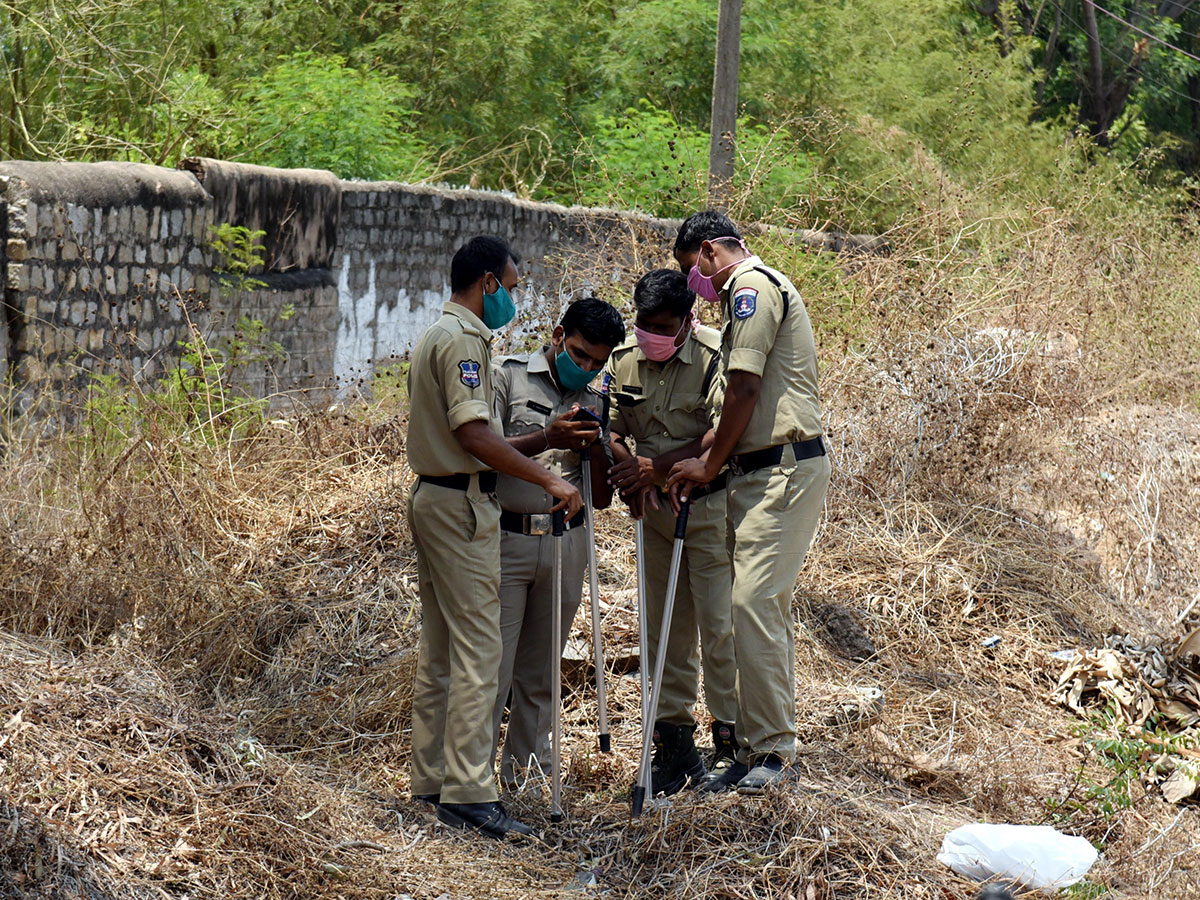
(770, 436)
(666, 391)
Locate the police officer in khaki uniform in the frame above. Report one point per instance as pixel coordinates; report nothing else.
(770, 434)
(538, 401)
(453, 446)
(665, 389)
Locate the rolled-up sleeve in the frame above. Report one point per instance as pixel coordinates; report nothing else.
(464, 375)
(756, 309)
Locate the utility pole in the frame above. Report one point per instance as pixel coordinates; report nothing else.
(723, 137)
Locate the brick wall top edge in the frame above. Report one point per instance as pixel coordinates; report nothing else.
(199, 164)
(105, 184)
(509, 199)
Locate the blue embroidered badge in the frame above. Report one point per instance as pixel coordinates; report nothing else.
(605, 381)
(470, 373)
(744, 303)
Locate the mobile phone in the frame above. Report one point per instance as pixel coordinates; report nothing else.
(585, 414)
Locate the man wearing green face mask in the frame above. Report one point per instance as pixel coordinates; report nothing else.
(538, 401)
(454, 447)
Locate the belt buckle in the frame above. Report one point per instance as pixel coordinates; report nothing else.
(538, 523)
(734, 465)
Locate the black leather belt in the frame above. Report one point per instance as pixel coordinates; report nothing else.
(461, 482)
(772, 456)
(703, 490)
(537, 523)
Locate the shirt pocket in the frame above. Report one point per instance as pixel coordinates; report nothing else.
(686, 415)
(633, 411)
(524, 418)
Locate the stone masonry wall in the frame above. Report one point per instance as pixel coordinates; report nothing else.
(101, 264)
(395, 246)
(106, 264)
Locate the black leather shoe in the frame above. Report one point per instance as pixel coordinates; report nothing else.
(431, 799)
(489, 818)
(770, 769)
(724, 776)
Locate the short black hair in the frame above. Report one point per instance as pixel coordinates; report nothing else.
(477, 257)
(663, 290)
(707, 225)
(595, 321)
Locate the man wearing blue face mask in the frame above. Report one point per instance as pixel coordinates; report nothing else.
(455, 448)
(539, 397)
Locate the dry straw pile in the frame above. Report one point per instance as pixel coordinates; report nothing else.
(210, 628)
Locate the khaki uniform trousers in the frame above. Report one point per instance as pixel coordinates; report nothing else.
(526, 610)
(457, 536)
(773, 515)
(702, 603)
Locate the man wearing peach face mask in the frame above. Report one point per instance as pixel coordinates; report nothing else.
(770, 436)
(666, 392)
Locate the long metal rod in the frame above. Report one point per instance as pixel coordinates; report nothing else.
(594, 588)
(641, 790)
(556, 811)
(643, 638)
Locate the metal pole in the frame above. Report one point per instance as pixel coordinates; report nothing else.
(594, 588)
(640, 790)
(556, 812)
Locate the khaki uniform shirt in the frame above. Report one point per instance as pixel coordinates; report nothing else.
(665, 405)
(528, 399)
(757, 337)
(449, 384)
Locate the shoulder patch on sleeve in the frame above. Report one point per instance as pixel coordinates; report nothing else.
(605, 380)
(745, 301)
(469, 373)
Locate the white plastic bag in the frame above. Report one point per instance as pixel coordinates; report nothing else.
(1036, 856)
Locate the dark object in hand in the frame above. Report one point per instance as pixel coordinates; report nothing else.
(584, 414)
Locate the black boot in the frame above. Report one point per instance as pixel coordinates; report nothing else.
(724, 746)
(725, 771)
(676, 760)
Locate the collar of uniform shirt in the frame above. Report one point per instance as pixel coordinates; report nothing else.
(457, 309)
(539, 363)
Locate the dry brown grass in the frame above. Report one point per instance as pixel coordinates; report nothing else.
(208, 648)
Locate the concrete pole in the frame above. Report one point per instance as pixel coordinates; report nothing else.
(723, 137)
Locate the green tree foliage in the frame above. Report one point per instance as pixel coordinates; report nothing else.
(893, 103)
(663, 49)
(317, 112)
(1122, 68)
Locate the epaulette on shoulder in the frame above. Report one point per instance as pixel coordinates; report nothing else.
(521, 359)
(709, 337)
(771, 276)
(630, 343)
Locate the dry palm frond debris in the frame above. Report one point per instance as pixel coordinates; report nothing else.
(1136, 678)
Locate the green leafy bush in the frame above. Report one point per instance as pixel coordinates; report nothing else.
(645, 159)
(312, 111)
